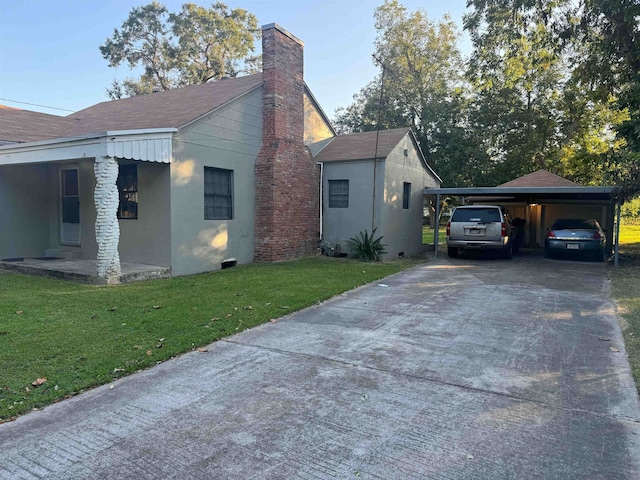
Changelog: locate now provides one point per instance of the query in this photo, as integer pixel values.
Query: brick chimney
(286, 177)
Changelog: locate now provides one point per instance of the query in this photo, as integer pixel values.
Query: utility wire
(36, 105)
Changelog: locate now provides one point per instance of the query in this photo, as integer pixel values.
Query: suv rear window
(482, 215)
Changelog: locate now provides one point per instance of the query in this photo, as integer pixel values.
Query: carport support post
(106, 200)
(615, 255)
(437, 227)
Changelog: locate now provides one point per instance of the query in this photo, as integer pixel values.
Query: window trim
(213, 195)
(338, 199)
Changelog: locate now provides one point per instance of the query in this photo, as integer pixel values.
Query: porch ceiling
(151, 145)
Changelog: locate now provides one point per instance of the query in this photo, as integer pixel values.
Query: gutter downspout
(375, 155)
(321, 164)
(437, 230)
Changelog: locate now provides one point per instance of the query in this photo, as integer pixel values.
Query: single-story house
(191, 179)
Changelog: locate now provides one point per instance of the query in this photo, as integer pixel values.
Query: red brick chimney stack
(286, 177)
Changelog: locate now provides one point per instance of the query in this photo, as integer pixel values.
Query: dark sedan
(575, 236)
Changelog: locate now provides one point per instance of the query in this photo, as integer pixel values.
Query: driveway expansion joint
(620, 418)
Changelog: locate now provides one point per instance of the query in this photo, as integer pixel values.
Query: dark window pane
(128, 191)
(482, 215)
(69, 182)
(218, 194)
(569, 224)
(70, 210)
(406, 195)
(338, 193)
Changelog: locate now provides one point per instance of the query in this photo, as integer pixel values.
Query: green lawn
(625, 288)
(79, 336)
(427, 235)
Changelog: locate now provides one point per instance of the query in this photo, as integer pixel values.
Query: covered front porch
(63, 214)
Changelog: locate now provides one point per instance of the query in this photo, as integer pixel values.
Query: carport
(541, 206)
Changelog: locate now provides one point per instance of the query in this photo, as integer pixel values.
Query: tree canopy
(552, 85)
(421, 85)
(195, 45)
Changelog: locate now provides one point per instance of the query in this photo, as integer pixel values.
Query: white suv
(480, 227)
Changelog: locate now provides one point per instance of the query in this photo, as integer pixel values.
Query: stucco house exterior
(374, 180)
(184, 180)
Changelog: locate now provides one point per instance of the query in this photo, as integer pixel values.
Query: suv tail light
(550, 234)
(448, 229)
(503, 232)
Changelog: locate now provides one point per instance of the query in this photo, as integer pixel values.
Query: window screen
(218, 194)
(338, 193)
(128, 191)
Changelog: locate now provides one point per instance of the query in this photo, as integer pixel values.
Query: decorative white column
(107, 229)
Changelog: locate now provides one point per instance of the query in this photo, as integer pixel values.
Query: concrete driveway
(459, 369)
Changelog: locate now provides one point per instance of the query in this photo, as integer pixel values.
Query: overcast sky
(49, 48)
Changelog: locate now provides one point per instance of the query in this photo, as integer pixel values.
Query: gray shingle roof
(168, 109)
(540, 178)
(26, 126)
(361, 145)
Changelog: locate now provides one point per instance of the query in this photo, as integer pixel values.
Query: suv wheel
(508, 252)
(452, 252)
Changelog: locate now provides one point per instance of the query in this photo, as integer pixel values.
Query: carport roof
(535, 187)
(531, 193)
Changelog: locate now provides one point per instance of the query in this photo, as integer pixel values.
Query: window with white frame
(218, 194)
(338, 193)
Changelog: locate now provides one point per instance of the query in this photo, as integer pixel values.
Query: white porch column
(107, 229)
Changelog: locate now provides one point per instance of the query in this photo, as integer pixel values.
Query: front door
(69, 207)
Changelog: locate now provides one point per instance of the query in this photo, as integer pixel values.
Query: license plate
(573, 246)
(474, 231)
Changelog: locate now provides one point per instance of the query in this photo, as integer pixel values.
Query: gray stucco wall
(402, 228)
(147, 239)
(24, 210)
(229, 139)
(340, 224)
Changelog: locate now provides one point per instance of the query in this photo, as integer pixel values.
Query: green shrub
(365, 248)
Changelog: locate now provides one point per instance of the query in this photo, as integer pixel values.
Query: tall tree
(421, 85)
(571, 69)
(195, 45)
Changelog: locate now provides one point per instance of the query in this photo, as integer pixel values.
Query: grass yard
(427, 235)
(79, 336)
(625, 283)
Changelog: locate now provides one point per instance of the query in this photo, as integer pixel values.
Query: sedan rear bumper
(573, 246)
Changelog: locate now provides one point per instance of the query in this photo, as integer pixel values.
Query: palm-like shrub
(365, 247)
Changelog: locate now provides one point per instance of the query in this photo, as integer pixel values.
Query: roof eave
(523, 190)
(154, 145)
(422, 157)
